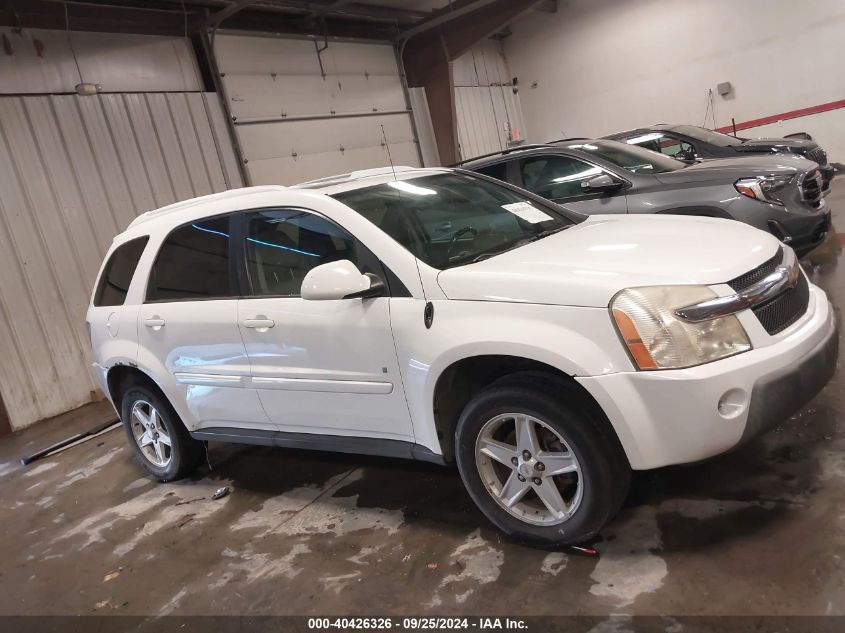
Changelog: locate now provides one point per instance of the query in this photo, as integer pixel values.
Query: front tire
(540, 460)
(157, 436)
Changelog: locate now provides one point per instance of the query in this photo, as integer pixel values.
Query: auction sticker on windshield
(527, 212)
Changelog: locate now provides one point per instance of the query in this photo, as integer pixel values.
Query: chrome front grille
(753, 276)
(818, 155)
(778, 313)
(811, 188)
(785, 309)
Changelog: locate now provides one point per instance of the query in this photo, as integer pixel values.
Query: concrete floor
(759, 531)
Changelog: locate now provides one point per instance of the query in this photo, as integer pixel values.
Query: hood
(797, 145)
(732, 169)
(589, 263)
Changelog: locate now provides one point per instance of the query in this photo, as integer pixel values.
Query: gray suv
(781, 195)
(696, 143)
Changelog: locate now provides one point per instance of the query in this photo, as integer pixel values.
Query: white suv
(441, 315)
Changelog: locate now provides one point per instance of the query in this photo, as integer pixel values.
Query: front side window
(556, 176)
(630, 157)
(282, 245)
(453, 219)
(193, 263)
(118, 272)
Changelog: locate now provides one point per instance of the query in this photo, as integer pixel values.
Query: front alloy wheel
(528, 468)
(540, 459)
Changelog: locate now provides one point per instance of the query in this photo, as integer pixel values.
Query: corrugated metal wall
(488, 111)
(304, 110)
(41, 61)
(74, 171)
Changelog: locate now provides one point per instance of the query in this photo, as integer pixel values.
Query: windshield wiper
(546, 233)
(520, 242)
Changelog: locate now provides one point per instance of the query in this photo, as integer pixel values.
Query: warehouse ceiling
(369, 19)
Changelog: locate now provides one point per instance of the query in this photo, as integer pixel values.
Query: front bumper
(802, 234)
(686, 415)
(782, 393)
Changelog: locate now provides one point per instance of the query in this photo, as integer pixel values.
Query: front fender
(578, 341)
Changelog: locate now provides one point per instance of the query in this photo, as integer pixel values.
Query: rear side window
(117, 275)
(193, 263)
(499, 171)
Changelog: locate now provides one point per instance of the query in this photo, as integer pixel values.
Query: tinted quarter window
(117, 275)
(499, 171)
(193, 263)
(556, 176)
(282, 245)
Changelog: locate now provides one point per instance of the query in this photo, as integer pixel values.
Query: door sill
(317, 442)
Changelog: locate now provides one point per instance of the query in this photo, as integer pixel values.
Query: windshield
(707, 136)
(631, 157)
(455, 218)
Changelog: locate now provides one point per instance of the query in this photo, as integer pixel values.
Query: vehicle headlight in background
(657, 338)
(764, 188)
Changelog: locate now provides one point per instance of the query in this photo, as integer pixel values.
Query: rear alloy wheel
(150, 434)
(541, 460)
(157, 436)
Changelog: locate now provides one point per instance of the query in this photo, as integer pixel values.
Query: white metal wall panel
(489, 114)
(40, 61)
(74, 171)
(294, 124)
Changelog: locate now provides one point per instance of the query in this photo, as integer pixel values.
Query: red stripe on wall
(793, 114)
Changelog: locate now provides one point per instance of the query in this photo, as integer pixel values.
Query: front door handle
(260, 323)
(155, 322)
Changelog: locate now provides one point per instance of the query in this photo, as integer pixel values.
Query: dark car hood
(797, 145)
(731, 169)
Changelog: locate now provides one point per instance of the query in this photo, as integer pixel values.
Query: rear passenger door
(188, 327)
(560, 178)
(320, 367)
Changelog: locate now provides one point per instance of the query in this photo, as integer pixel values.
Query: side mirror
(340, 280)
(600, 183)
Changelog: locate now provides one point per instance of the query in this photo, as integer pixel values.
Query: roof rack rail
(571, 138)
(499, 153)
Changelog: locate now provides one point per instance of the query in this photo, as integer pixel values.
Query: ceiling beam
(428, 49)
(217, 17)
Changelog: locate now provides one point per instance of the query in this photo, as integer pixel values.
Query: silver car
(780, 194)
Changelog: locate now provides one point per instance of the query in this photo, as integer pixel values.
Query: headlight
(657, 338)
(764, 188)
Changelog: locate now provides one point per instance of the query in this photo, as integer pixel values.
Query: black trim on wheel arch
(317, 442)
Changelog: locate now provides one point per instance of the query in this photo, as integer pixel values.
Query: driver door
(318, 366)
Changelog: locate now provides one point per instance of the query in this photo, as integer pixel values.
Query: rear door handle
(260, 323)
(155, 322)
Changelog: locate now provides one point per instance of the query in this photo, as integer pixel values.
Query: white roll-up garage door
(306, 109)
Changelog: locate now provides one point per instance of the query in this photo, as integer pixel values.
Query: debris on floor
(220, 493)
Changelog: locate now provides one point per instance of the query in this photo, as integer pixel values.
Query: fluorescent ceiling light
(653, 136)
(404, 185)
(592, 171)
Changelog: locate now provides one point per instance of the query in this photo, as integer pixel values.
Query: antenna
(387, 145)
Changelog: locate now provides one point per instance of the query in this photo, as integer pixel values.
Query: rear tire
(558, 484)
(157, 436)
